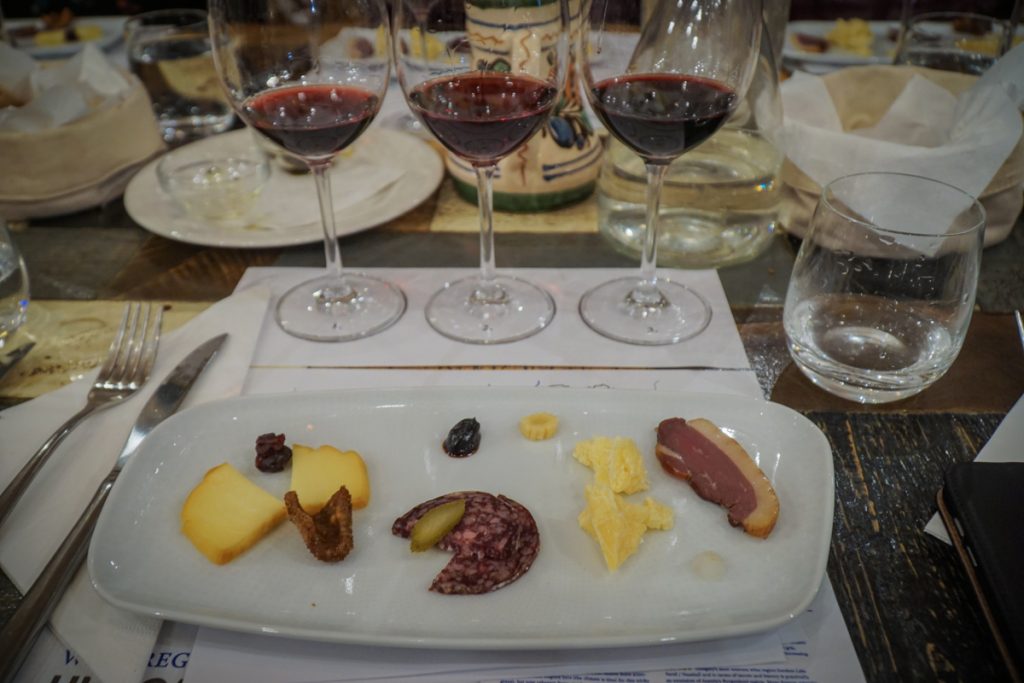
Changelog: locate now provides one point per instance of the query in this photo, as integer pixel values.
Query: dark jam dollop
(463, 439)
(271, 453)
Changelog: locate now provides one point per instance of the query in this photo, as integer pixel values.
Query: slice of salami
(494, 543)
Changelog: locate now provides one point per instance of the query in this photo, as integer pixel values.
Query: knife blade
(11, 358)
(172, 391)
(22, 629)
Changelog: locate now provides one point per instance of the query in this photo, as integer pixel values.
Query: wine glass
(491, 88)
(662, 88)
(406, 121)
(298, 74)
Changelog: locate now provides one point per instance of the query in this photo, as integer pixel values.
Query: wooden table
(906, 601)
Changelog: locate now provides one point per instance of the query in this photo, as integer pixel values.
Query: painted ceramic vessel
(558, 165)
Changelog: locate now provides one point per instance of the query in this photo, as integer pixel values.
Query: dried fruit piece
(271, 453)
(435, 524)
(463, 439)
(538, 426)
(328, 534)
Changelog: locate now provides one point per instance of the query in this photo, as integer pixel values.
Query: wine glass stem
(488, 290)
(332, 253)
(647, 290)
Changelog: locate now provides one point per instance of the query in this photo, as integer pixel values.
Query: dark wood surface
(907, 604)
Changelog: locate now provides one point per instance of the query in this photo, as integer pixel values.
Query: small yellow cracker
(538, 426)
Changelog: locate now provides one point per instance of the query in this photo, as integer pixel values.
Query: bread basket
(862, 95)
(81, 164)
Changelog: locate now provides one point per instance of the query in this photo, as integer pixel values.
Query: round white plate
(883, 49)
(286, 212)
(112, 27)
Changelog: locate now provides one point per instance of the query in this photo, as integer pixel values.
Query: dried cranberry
(271, 453)
(463, 439)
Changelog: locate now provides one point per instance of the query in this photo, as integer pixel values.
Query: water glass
(169, 50)
(953, 41)
(883, 285)
(13, 286)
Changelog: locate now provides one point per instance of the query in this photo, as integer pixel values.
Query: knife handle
(21, 631)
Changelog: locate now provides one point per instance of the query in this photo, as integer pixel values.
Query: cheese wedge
(317, 473)
(226, 514)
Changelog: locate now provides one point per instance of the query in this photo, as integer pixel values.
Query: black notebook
(982, 505)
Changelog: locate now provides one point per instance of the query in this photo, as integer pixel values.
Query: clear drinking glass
(169, 50)
(488, 90)
(13, 286)
(953, 41)
(883, 285)
(661, 89)
(288, 71)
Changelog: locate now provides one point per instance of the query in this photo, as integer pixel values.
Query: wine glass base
(328, 309)
(611, 309)
(505, 310)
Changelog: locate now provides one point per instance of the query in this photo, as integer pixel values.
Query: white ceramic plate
(286, 211)
(883, 49)
(378, 595)
(112, 27)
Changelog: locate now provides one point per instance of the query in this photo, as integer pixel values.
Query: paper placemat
(567, 342)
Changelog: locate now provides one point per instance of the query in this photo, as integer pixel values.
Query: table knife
(11, 358)
(20, 632)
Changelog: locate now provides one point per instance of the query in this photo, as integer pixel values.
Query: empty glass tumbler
(13, 286)
(882, 289)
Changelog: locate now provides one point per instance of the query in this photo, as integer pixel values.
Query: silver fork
(127, 367)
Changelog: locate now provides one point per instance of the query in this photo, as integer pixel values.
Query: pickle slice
(433, 525)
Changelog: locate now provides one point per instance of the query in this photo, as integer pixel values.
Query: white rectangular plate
(139, 560)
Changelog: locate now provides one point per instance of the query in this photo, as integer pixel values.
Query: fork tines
(133, 350)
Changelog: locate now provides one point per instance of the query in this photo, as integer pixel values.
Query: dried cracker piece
(538, 426)
(328, 533)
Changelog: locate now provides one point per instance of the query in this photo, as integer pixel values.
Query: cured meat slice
(719, 470)
(494, 543)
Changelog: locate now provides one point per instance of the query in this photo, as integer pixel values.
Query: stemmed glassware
(662, 88)
(492, 87)
(292, 74)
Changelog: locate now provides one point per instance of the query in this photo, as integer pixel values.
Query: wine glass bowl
(488, 91)
(663, 87)
(290, 75)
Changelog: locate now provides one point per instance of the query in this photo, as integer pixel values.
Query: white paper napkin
(114, 643)
(60, 94)
(1004, 446)
(962, 141)
(567, 342)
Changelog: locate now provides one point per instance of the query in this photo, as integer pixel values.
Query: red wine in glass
(662, 87)
(283, 74)
(661, 116)
(483, 117)
(312, 121)
(483, 96)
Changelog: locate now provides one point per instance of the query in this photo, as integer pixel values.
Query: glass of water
(953, 41)
(13, 286)
(883, 285)
(169, 50)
